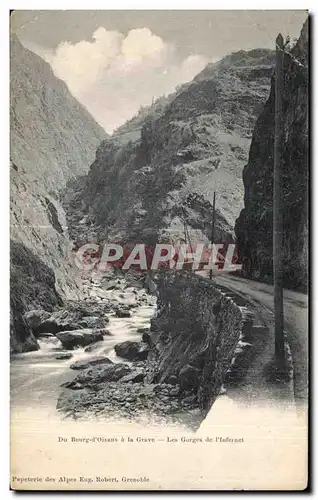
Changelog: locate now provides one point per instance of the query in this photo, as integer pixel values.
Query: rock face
(53, 139)
(32, 285)
(255, 223)
(133, 377)
(194, 336)
(161, 168)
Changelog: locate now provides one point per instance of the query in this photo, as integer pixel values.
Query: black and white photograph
(159, 249)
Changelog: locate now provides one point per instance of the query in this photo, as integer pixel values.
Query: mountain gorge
(144, 348)
(53, 139)
(156, 173)
(160, 169)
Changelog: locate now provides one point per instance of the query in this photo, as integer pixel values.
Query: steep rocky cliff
(255, 223)
(194, 336)
(161, 168)
(53, 139)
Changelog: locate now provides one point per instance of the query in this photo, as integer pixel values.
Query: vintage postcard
(159, 249)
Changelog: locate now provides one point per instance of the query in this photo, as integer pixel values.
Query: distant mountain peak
(184, 145)
(239, 59)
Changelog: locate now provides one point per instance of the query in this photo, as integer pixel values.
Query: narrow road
(296, 322)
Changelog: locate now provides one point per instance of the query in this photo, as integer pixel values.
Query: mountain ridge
(184, 145)
(41, 128)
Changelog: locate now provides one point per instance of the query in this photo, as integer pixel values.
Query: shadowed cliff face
(255, 223)
(161, 168)
(53, 139)
(32, 286)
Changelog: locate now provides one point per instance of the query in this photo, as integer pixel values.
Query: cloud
(114, 75)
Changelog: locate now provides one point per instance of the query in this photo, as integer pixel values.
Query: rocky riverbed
(93, 359)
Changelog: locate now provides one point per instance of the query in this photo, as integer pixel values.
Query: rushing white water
(36, 377)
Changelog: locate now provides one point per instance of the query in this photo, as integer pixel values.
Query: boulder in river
(62, 320)
(82, 338)
(133, 351)
(83, 365)
(64, 355)
(102, 373)
(95, 346)
(35, 318)
(91, 308)
(122, 312)
(66, 319)
(93, 321)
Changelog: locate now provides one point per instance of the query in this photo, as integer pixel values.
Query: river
(36, 377)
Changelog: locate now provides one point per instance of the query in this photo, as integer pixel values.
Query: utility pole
(185, 231)
(213, 226)
(278, 262)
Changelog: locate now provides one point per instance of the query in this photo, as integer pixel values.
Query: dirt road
(296, 321)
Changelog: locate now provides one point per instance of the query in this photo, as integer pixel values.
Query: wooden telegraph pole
(213, 227)
(278, 262)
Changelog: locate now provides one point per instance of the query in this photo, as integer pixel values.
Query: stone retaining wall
(194, 335)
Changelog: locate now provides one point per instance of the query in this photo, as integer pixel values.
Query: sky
(114, 62)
